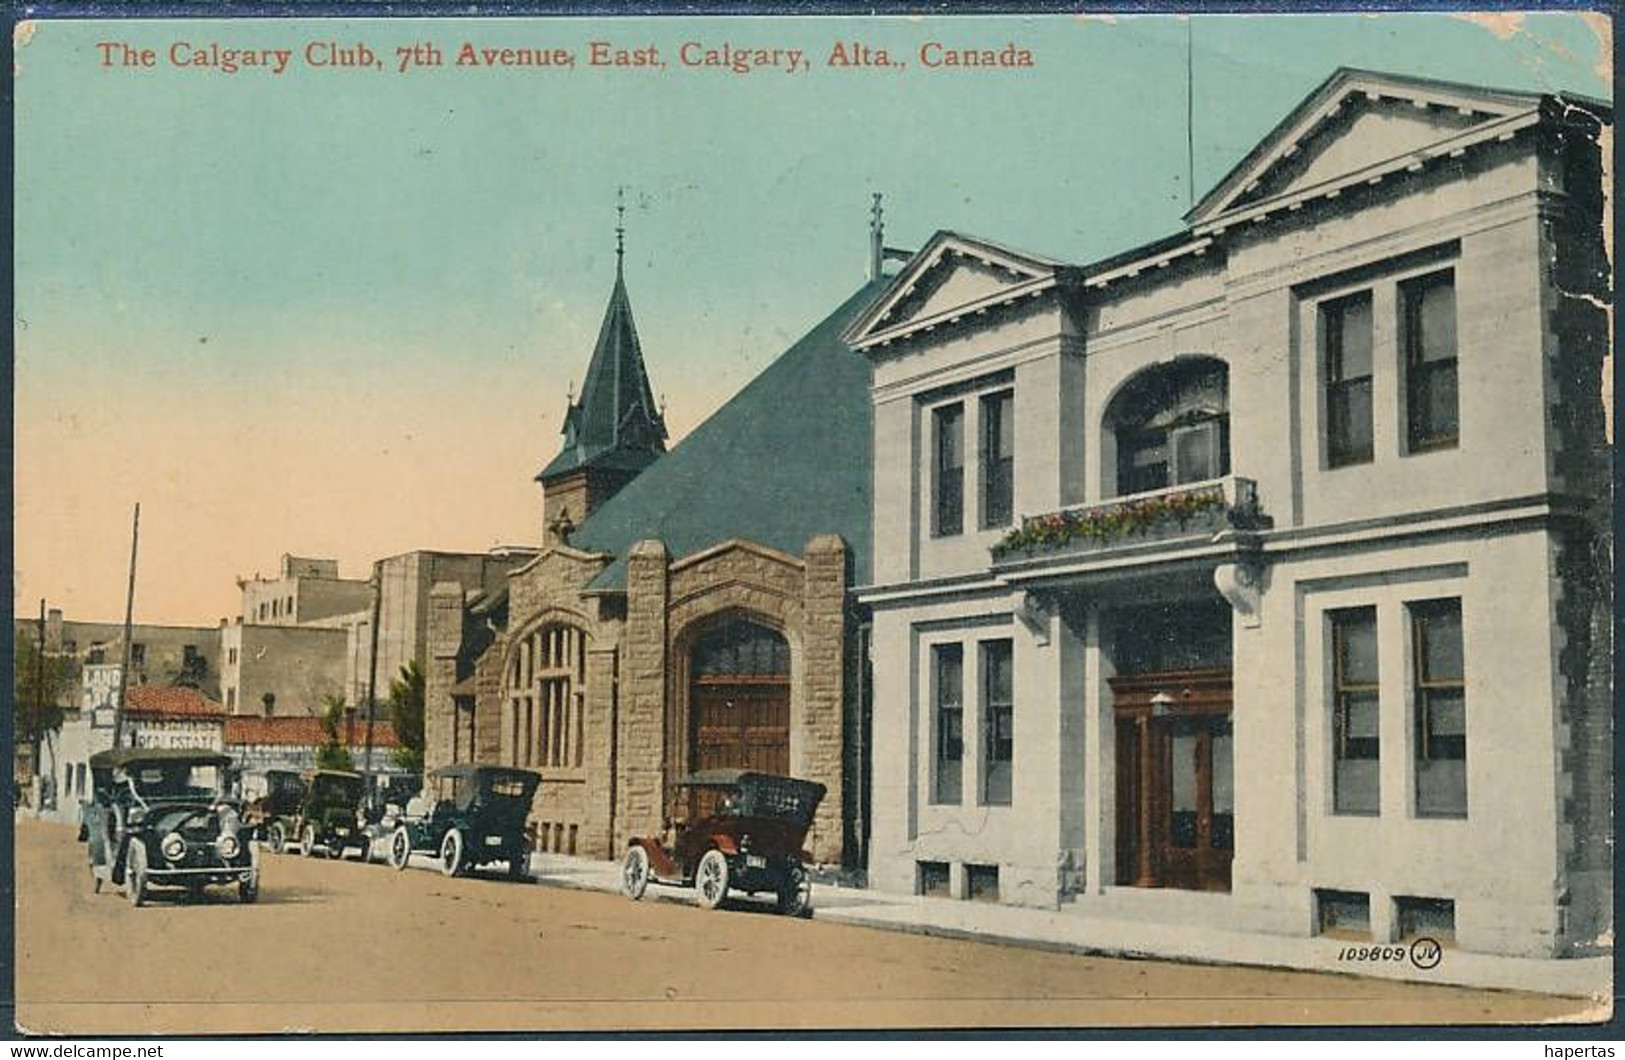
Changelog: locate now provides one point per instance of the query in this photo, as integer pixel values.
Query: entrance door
(1175, 781)
(739, 699)
(744, 726)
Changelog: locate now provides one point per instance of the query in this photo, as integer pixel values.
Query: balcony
(1196, 510)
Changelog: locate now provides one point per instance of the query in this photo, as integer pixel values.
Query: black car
(330, 817)
(271, 812)
(478, 817)
(158, 818)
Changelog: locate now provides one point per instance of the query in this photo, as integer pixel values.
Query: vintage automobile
(383, 806)
(329, 818)
(478, 816)
(272, 803)
(157, 818)
(735, 830)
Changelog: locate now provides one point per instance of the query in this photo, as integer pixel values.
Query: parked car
(158, 818)
(735, 830)
(477, 817)
(329, 818)
(273, 801)
(383, 807)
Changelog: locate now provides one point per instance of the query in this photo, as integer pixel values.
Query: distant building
(258, 744)
(159, 655)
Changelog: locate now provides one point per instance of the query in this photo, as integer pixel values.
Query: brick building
(1261, 575)
(688, 609)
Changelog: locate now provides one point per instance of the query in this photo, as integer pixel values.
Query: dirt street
(340, 946)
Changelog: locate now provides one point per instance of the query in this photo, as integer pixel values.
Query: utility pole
(372, 670)
(129, 611)
(39, 708)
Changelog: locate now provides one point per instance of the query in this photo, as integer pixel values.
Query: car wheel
(248, 891)
(451, 853)
(400, 848)
(276, 837)
(307, 841)
(519, 863)
(635, 873)
(135, 874)
(795, 891)
(711, 879)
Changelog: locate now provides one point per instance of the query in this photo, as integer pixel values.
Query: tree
(38, 681)
(333, 754)
(406, 698)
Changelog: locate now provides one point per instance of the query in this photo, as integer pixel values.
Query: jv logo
(1426, 953)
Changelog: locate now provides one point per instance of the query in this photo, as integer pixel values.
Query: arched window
(1171, 424)
(547, 698)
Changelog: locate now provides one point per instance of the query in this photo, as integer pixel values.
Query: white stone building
(1259, 577)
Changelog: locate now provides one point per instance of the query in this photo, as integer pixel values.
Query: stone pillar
(445, 637)
(641, 728)
(597, 839)
(1100, 762)
(815, 736)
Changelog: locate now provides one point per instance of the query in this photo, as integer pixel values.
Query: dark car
(478, 817)
(330, 816)
(270, 814)
(735, 830)
(158, 818)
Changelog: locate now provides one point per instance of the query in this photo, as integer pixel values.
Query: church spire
(615, 424)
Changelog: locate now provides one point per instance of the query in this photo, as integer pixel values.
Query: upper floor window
(1172, 426)
(998, 459)
(138, 654)
(1428, 335)
(1356, 739)
(1441, 708)
(1345, 335)
(948, 476)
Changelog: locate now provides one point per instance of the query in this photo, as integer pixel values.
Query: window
(262, 612)
(1345, 335)
(1343, 914)
(287, 609)
(138, 654)
(933, 878)
(1433, 918)
(546, 698)
(948, 478)
(1441, 709)
(948, 696)
(1355, 713)
(1428, 333)
(998, 459)
(231, 700)
(1171, 425)
(998, 723)
(982, 883)
(98, 654)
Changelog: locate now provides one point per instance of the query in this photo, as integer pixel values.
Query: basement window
(933, 879)
(1433, 918)
(982, 883)
(1343, 914)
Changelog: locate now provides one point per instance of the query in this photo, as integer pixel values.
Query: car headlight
(173, 846)
(135, 816)
(227, 845)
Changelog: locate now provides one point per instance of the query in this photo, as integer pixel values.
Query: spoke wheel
(711, 879)
(451, 853)
(276, 837)
(307, 841)
(248, 891)
(400, 848)
(795, 892)
(135, 874)
(519, 863)
(635, 873)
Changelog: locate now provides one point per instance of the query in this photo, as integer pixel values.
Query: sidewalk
(1071, 932)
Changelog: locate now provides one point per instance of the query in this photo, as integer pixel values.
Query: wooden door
(740, 724)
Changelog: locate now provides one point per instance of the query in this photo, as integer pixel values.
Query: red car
(736, 831)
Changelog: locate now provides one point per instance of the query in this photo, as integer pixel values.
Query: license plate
(755, 861)
(493, 840)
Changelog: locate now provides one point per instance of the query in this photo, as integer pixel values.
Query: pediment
(952, 275)
(1358, 124)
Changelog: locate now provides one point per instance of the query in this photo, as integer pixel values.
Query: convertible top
(469, 769)
(121, 757)
(762, 794)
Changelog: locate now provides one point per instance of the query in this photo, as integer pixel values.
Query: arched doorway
(739, 698)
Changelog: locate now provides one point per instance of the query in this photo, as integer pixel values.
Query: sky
(337, 311)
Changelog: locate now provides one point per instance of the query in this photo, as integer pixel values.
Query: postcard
(666, 524)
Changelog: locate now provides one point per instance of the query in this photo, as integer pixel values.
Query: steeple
(614, 429)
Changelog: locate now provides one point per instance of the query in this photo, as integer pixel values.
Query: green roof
(786, 459)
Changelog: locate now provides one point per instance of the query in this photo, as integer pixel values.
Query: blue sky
(337, 311)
